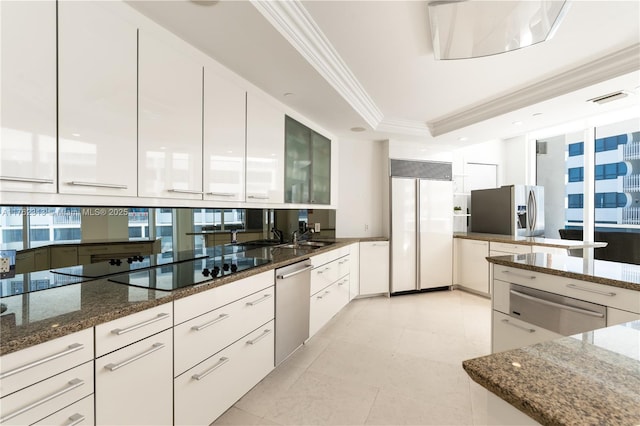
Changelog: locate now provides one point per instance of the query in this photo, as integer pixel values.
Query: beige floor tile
(318, 399)
(236, 416)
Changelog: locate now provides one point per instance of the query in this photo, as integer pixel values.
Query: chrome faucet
(278, 234)
(294, 237)
(234, 236)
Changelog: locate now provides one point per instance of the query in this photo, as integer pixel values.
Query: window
(66, 234)
(576, 149)
(39, 234)
(11, 235)
(576, 174)
(575, 201)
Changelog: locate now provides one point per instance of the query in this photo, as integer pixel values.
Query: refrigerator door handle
(417, 235)
(532, 210)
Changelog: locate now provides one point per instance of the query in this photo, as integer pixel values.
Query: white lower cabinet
(77, 414)
(326, 303)
(617, 316)
(511, 333)
(134, 384)
(473, 268)
(354, 270)
(374, 267)
(34, 403)
(207, 390)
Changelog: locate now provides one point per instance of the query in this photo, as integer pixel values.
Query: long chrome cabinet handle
(558, 305)
(323, 294)
(186, 191)
(99, 184)
(291, 274)
(342, 282)
(27, 180)
(262, 299)
(76, 419)
(207, 324)
(530, 330)
(324, 270)
(258, 197)
(70, 349)
(222, 361)
(120, 331)
(71, 385)
(222, 194)
(604, 293)
(260, 337)
(529, 277)
(343, 261)
(155, 347)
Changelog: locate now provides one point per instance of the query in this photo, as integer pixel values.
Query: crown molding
(406, 127)
(293, 21)
(618, 63)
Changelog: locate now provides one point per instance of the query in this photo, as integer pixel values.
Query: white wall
(519, 164)
(551, 175)
(360, 193)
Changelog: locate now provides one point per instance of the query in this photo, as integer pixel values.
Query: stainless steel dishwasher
(292, 308)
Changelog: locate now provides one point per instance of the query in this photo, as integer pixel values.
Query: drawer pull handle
(207, 324)
(76, 419)
(342, 282)
(186, 191)
(70, 349)
(323, 295)
(222, 194)
(262, 299)
(260, 337)
(71, 385)
(324, 270)
(530, 330)
(529, 277)
(258, 197)
(154, 347)
(222, 361)
(604, 293)
(26, 179)
(343, 261)
(120, 331)
(99, 184)
(294, 273)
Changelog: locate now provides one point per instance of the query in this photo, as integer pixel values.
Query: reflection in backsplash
(32, 231)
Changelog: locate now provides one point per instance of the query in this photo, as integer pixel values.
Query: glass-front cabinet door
(321, 169)
(308, 165)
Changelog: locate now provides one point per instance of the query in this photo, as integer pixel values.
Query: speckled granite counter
(529, 241)
(615, 274)
(588, 379)
(37, 317)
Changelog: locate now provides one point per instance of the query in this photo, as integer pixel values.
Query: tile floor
(380, 361)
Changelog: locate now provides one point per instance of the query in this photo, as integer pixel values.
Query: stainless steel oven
(561, 314)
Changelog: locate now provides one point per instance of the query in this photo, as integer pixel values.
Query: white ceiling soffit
(294, 22)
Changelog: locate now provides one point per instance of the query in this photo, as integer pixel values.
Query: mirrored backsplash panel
(39, 237)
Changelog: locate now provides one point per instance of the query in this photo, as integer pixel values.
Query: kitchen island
(588, 378)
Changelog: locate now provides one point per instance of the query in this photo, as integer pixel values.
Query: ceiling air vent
(608, 98)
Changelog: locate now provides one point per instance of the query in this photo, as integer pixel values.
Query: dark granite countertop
(615, 274)
(588, 379)
(37, 317)
(528, 241)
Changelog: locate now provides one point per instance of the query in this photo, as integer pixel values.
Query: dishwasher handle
(291, 274)
(558, 305)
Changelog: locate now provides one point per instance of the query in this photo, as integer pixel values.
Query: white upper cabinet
(97, 99)
(265, 151)
(170, 117)
(224, 139)
(28, 96)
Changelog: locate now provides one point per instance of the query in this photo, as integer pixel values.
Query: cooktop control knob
(205, 272)
(234, 267)
(225, 267)
(215, 271)
(129, 260)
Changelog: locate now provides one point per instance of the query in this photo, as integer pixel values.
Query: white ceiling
(383, 50)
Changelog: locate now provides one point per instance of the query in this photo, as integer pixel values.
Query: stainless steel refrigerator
(510, 210)
(421, 225)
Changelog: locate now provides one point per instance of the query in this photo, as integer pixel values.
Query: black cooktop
(188, 273)
(35, 281)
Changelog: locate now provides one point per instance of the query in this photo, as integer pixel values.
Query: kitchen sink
(258, 243)
(306, 245)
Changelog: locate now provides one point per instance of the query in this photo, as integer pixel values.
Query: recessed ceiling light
(536, 114)
(517, 123)
(462, 139)
(358, 129)
(286, 95)
(75, 134)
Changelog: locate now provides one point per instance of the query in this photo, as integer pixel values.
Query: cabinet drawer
(201, 303)
(201, 337)
(124, 331)
(329, 256)
(57, 392)
(616, 316)
(344, 266)
(326, 303)
(510, 248)
(207, 390)
(77, 414)
(23, 368)
(510, 333)
(63, 256)
(616, 297)
(133, 384)
(323, 276)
